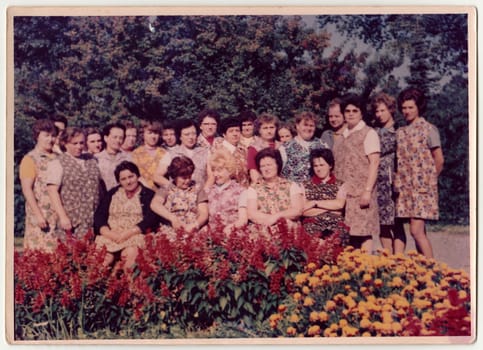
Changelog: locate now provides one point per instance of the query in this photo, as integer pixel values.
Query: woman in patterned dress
(183, 202)
(73, 183)
(274, 197)
(324, 198)
(124, 216)
(392, 235)
(419, 162)
(226, 203)
(40, 217)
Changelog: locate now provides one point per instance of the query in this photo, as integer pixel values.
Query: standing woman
(356, 162)
(419, 162)
(93, 140)
(73, 183)
(392, 235)
(40, 217)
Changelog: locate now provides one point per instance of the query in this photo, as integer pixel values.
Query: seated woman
(124, 215)
(224, 196)
(324, 198)
(274, 197)
(183, 202)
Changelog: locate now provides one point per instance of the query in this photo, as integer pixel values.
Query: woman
(356, 162)
(124, 216)
(73, 184)
(392, 235)
(151, 159)
(226, 205)
(285, 133)
(93, 140)
(274, 197)
(419, 162)
(40, 217)
(325, 198)
(266, 127)
(183, 202)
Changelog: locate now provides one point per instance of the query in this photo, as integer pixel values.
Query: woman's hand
(191, 227)
(176, 223)
(365, 200)
(65, 222)
(41, 222)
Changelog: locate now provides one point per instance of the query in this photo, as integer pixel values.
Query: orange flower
(282, 308)
(305, 290)
(330, 305)
(308, 301)
(297, 296)
(313, 330)
(323, 316)
(294, 318)
(314, 316)
(291, 331)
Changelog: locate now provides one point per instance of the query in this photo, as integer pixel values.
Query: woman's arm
(201, 218)
(257, 216)
(159, 176)
(54, 196)
(371, 179)
(296, 207)
(438, 157)
(28, 192)
(317, 207)
(157, 205)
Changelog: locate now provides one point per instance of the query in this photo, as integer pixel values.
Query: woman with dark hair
(40, 217)
(273, 197)
(124, 216)
(183, 202)
(93, 140)
(419, 162)
(325, 198)
(392, 235)
(356, 162)
(73, 183)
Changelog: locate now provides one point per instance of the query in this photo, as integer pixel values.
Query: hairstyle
(107, 129)
(91, 130)
(247, 115)
(68, 134)
(151, 125)
(126, 165)
(266, 118)
(229, 123)
(289, 126)
(59, 119)
(169, 124)
(208, 113)
(355, 100)
(324, 153)
(180, 166)
(306, 116)
(184, 124)
(334, 102)
(45, 125)
(223, 158)
(128, 124)
(415, 94)
(269, 153)
(386, 99)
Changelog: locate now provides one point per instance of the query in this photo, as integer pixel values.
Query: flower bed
(265, 286)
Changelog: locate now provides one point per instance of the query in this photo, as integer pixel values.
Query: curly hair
(180, 166)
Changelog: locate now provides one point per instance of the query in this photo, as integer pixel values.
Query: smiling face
(268, 168)
(182, 182)
(321, 168)
(410, 111)
(130, 139)
(151, 138)
(94, 143)
(128, 181)
(46, 141)
(114, 140)
(305, 129)
(76, 145)
(208, 126)
(232, 135)
(336, 118)
(352, 115)
(221, 175)
(383, 115)
(188, 137)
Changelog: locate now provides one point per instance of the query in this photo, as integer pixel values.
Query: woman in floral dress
(40, 216)
(419, 162)
(183, 202)
(392, 235)
(324, 198)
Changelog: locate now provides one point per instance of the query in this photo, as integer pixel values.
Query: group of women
(245, 176)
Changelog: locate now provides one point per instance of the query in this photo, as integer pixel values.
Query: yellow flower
(297, 296)
(396, 328)
(366, 278)
(335, 270)
(308, 301)
(305, 290)
(365, 323)
(462, 295)
(301, 278)
(343, 323)
(311, 267)
(421, 304)
(378, 283)
(349, 331)
(427, 317)
(314, 281)
(319, 272)
(397, 282)
(323, 316)
(282, 308)
(366, 334)
(313, 330)
(314, 316)
(330, 305)
(294, 318)
(291, 331)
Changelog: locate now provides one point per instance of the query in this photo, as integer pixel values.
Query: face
(268, 168)
(114, 140)
(182, 182)
(336, 118)
(247, 128)
(45, 141)
(76, 145)
(232, 135)
(305, 129)
(188, 137)
(130, 139)
(151, 138)
(410, 110)
(169, 137)
(221, 174)
(94, 143)
(284, 135)
(353, 115)
(128, 180)
(267, 131)
(321, 168)
(382, 114)
(208, 127)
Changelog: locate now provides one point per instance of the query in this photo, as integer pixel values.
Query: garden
(208, 284)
